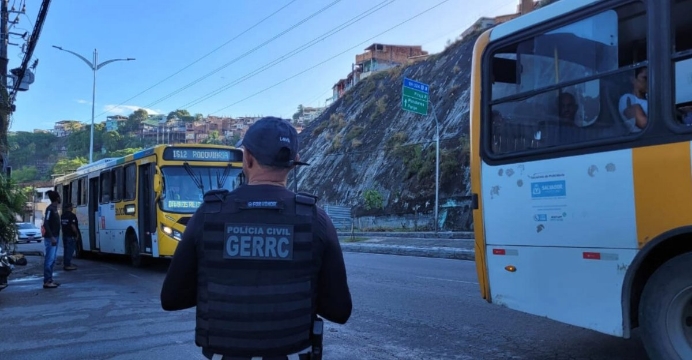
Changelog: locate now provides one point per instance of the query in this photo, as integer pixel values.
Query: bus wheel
(665, 311)
(135, 257)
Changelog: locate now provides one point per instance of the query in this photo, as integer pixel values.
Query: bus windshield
(181, 193)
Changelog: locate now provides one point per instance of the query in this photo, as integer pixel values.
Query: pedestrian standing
(51, 224)
(70, 234)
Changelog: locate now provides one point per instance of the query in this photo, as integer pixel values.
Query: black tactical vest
(257, 276)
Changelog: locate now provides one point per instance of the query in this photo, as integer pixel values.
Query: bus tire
(665, 311)
(135, 254)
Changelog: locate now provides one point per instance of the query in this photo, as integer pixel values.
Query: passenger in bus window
(685, 115)
(634, 106)
(569, 132)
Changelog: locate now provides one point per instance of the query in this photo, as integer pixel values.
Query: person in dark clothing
(51, 224)
(70, 234)
(260, 263)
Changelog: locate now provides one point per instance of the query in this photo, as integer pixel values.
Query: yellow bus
(582, 192)
(138, 205)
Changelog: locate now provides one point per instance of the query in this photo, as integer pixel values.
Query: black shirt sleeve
(179, 290)
(52, 222)
(333, 295)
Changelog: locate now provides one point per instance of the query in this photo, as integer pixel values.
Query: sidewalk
(411, 244)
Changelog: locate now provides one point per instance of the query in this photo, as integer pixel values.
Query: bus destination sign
(201, 154)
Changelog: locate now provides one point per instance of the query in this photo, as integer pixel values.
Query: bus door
(147, 206)
(94, 213)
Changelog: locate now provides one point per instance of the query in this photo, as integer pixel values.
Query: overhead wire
(331, 58)
(205, 55)
(290, 54)
(292, 27)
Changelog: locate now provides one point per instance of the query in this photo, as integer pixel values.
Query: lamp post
(95, 66)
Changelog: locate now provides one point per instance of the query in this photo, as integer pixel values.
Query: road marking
(452, 280)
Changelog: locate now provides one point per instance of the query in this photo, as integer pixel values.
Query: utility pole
(5, 106)
(95, 66)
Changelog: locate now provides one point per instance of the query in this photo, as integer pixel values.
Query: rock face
(369, 154)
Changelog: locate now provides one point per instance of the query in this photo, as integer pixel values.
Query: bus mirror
(158, 184)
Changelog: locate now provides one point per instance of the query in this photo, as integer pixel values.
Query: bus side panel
(568, 225)
(82, 213)
(579, 201)
(109, 240)
(561, 284)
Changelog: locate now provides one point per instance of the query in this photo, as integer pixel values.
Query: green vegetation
(12, 202)
(380, 107)
(35, 156)
(373, 199)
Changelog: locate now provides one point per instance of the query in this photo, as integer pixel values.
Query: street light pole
(94, 66)
(437, 168)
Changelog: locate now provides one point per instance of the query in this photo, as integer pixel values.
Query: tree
(373, 199)
(112, 141)
(213, 138)
(299, 113)
(12, 203)
(135, 120)
(25, 174)
(180, 114)
(65, 166)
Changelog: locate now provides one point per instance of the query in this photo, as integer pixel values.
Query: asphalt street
(404, 308)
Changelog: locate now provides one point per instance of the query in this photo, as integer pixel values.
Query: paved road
(404, 308)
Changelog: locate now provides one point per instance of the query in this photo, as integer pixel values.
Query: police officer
(260, 263)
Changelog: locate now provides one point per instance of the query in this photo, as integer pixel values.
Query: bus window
(82, 192)
(105, 187)
(117, 184)
(682, 55)
(74, 192)
(565, 86)
(130, 181)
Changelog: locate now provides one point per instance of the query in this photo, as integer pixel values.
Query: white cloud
(126, 109)
(82, 101)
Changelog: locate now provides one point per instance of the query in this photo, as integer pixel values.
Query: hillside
(367, 153)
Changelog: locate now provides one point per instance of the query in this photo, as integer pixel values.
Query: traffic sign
(414, 96)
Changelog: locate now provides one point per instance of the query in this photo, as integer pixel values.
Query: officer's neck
(267, 182)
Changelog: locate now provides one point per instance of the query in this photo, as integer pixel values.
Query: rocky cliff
(367, 153)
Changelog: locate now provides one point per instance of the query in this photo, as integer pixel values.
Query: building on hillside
(377, 57)
(115, 122)
(485, 23)
(65, 127)
(310, 114)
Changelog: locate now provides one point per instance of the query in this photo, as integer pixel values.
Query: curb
(418, 235)
(431, 252)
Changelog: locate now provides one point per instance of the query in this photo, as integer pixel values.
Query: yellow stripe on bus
(662, 189)
(475, 143)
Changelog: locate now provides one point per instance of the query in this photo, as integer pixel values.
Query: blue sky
(164, 40)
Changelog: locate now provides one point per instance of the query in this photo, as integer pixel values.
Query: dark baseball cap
(273, 142)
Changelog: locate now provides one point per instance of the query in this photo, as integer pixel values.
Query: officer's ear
(248, 159)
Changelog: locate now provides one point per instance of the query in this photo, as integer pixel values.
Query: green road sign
(414, 97)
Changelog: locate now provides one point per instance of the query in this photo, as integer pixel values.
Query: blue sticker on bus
(548, 189)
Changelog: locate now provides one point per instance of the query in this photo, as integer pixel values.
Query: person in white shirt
(634, 106)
